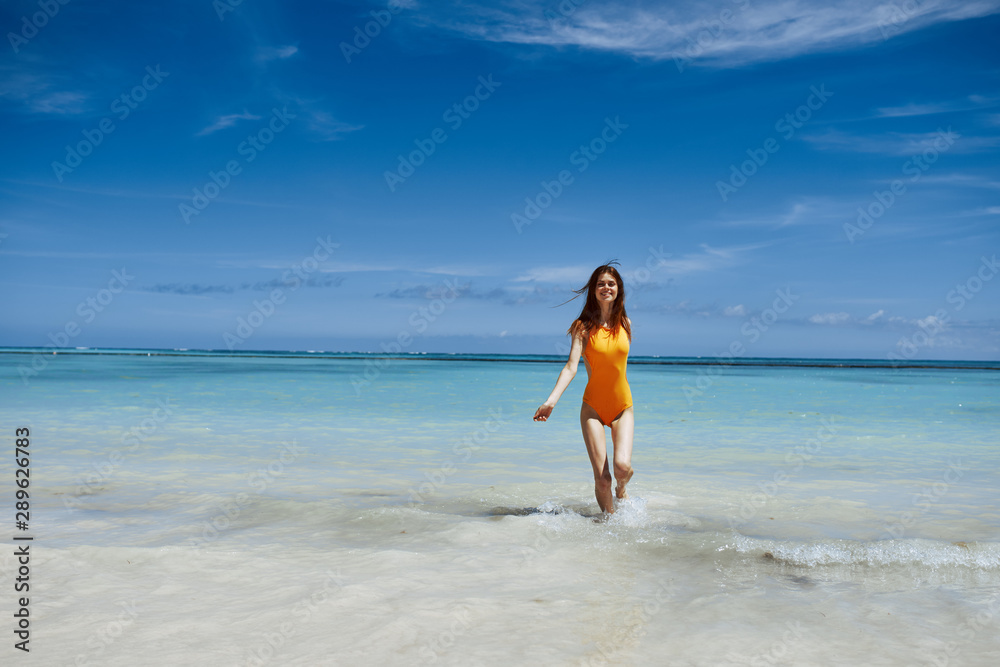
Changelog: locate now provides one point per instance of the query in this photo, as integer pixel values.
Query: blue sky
(442, 183)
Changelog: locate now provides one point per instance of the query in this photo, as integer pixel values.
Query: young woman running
(602, 335)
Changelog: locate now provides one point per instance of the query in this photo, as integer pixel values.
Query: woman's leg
(593, 437)
(621, 435)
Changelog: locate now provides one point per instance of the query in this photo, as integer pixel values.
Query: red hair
(590, 316)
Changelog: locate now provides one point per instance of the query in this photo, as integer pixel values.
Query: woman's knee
(622, 468)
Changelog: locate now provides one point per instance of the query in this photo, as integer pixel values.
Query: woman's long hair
(590, 316)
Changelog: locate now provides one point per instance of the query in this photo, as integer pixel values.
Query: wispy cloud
(708, 259)
(901, 143)
(322, 280)
(199, 289)
(507, 295)
(970, 103)
(735, 311)
(979, 212)
(35, 94)
(557, 274)
(877, 315)
(223, 122)
(268, 53)
(830, 318)
(657, 29)
(802, 211)
(878, 319)
(189, 289)
(311, 113)
(965, 180)
(60, 102)
(328, 127)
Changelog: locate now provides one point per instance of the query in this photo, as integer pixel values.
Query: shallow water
(246, 511)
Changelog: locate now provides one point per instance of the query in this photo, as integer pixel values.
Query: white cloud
(970, 103)
(36, 94)
(328, 127)
(557, 274)
(64, 102)
(277, 53)
(709, 259)
(874, 316)
(735, 311)
(901, 143)
(725, 33)
(967, 180)
(805, 210)
(223, 122)
(931, 323)
(830, 318)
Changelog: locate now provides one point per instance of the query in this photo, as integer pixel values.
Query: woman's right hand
(543, 412)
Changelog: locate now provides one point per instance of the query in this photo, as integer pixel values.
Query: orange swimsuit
(607, 387)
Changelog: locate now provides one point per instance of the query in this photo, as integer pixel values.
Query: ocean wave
(902, 552)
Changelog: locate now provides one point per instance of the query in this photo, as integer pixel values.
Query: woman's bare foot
(620, 492)
(602, 489)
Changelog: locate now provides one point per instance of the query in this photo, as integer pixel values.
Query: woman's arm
(566, 376)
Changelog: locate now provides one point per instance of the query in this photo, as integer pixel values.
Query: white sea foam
(914, 552)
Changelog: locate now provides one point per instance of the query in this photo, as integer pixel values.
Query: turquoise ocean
(201, 508)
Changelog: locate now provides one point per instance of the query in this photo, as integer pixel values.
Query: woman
(601, 334)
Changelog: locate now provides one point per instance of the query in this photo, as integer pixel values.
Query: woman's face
(606, 289)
